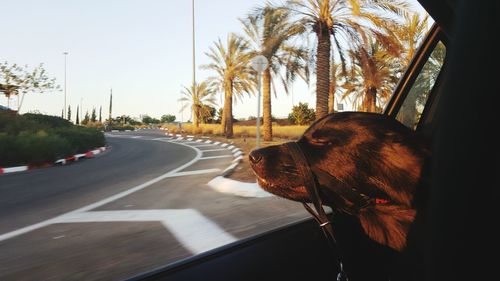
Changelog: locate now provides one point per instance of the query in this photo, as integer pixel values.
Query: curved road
(37, 195)
(141, 204)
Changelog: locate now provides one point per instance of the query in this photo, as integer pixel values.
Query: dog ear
(388, 224)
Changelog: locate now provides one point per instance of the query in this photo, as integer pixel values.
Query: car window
(126, 126)
(411, 110)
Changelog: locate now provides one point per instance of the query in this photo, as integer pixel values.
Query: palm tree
(350, 20)
(410, 34)
(199, 97)
(270, 31)
(233, 76)
(372, 76)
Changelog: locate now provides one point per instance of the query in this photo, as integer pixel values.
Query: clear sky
(140, 48)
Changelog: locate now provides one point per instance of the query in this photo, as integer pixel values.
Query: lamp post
(64, 109)
(259, 64)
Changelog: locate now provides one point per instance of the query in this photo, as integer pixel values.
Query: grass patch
(280, 132)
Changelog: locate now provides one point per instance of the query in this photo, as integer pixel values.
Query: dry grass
(280, 132)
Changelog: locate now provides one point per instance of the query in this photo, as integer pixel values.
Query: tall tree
(199, 97)
(77, 122)
(93, 116)
(86, 119)
(351, 20)
(372, 76)
(100, 114)
(233, 75)
(110, 105)
(271, 31)
(69, 113)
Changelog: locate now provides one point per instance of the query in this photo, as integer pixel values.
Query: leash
(319, 214)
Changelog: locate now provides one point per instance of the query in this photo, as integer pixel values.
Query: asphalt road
(36, 195)
(143, 203)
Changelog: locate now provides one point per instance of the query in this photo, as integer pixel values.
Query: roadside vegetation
(38, 139)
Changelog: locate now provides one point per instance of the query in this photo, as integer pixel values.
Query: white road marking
(232, 166)
(215, 157)
(195, 172)
(224, 145)
(208, 141)
(172, 173)
(244, 189)
(15, 169)
(136, 137)
(217, 149)
(197, 233)
(202, 145)
(237, 158)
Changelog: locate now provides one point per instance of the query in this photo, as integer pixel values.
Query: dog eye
(320, 141)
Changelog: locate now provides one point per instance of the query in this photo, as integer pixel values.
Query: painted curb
(236, 151)
(63, 161)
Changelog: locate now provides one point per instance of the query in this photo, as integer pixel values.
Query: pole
(194, 50)
(65, 55)
(257, 145)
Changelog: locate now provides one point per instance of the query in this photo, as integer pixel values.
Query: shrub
(301, 114)
(36, 138)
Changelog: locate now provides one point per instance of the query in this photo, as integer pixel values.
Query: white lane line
(195, 172)
(208, 141)
(217, 149)
(172, 173)
(136, 137)
(202, 145)
(215, 157)
(230, 147)
(157, 139)
(224, 145)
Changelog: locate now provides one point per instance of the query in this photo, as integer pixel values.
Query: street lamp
(259, 64)
(64, 109)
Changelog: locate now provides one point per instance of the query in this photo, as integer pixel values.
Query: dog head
(371, 153)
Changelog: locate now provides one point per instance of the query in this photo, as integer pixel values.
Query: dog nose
(255, 157)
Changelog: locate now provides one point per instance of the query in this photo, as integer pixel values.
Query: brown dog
(372, 154)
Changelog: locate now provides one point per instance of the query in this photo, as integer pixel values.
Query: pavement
(143, 203)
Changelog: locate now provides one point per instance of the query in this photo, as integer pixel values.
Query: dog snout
(255, 156)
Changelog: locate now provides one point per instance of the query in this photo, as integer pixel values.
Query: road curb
(59, 162)
(236, 151)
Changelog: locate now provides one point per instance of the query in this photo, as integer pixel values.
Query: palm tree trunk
(223, 120)
(370, 100)
(195, 118)
(228, 110)
(331, 96)
(322, 72)
(266, 103)
(196, 122)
